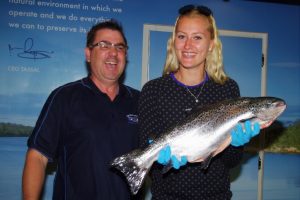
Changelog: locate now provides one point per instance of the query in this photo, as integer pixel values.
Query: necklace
(196, 97)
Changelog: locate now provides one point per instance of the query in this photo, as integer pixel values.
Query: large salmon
(200, 134)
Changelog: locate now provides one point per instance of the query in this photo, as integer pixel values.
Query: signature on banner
(28, 52)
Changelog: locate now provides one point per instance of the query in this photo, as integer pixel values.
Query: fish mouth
(265, 119)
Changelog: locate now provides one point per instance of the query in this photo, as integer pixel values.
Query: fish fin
(206, 162)
(134, 174)
(167, 167)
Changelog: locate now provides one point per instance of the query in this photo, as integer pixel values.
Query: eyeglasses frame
(106, 45)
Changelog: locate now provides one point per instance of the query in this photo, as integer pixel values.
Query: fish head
(265, 110)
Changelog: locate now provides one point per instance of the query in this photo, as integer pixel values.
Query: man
(85, 124)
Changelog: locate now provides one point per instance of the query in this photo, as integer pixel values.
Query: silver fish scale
(202, 135)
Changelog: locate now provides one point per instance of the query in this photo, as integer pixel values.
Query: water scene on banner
(282, 174)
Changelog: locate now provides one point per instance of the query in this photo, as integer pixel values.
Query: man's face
(108, 59)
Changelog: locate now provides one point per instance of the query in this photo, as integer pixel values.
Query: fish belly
(194, 144)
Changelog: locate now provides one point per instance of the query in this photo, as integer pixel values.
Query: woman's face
(192, 41)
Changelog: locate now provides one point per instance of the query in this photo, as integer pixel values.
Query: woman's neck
(190, 77)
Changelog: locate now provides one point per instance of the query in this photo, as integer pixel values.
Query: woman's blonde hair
(214, 59)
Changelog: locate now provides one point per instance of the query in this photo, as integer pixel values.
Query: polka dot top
(165, 101)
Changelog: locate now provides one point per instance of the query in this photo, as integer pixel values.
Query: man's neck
(111, 89)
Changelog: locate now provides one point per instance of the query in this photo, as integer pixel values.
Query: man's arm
(33, 174)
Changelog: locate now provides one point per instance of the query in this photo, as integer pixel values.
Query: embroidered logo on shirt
(132, 119)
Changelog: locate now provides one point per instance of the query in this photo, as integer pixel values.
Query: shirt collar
(88, 82)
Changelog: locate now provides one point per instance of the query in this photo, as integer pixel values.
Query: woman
(193, 75)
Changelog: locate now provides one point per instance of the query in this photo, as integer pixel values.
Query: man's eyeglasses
(105, 45)
(201, 9)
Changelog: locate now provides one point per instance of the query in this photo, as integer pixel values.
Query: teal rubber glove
(165, 156)
(239, 137)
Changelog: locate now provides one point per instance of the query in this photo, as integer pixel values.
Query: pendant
(196, 100)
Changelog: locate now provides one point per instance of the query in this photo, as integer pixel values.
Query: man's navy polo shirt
(81, 128)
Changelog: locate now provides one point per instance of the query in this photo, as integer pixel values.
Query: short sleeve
(46, 134)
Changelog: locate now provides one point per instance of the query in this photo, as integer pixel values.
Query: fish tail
(134, 174)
